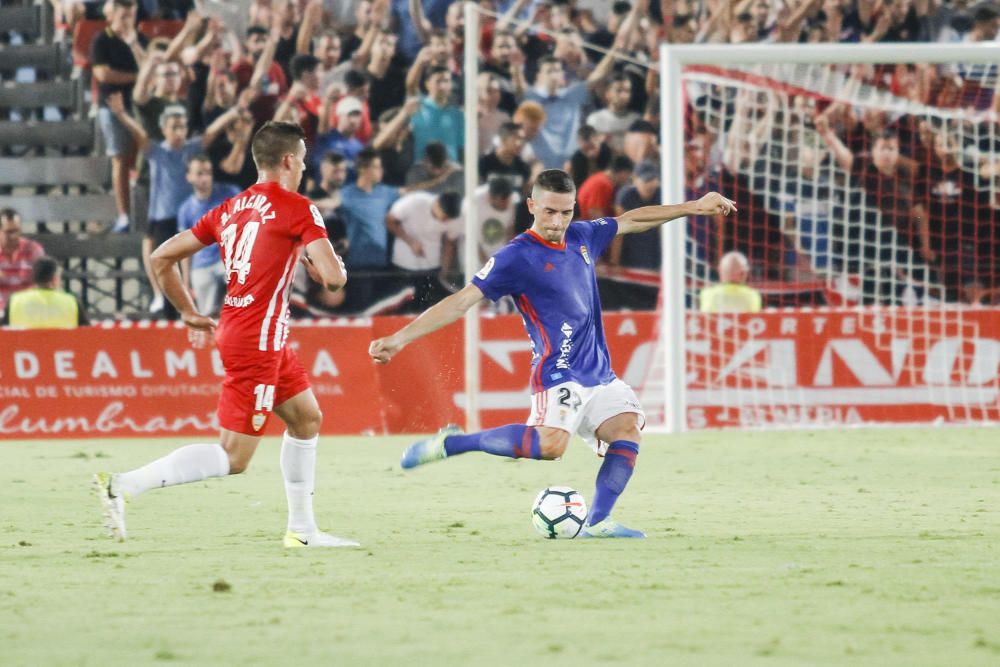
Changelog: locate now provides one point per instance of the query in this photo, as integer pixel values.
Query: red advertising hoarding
(786, 368)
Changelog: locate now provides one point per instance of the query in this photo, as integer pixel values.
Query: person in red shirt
(17, 256)
(258, 71)
(597, 194)
(302, 104)
(261, 233)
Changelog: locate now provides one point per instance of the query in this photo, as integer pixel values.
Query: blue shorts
(117, 140)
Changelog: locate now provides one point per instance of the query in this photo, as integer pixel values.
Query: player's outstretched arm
(644, 218)
(324, 265)
(164, 261)
(441, 314)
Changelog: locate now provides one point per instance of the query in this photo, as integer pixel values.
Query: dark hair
(451, 204)
(619, 76)
(440, 33)
(546, 60)
(621, 7)
(643, 126)
(9, 214)
(508, 129)
(621, 163)
(554, 180)
(334, 158)
(256, 30)
(436, 69)
(889, 134)
(365, 158)
(355, 78)
(436, 153)
(275, 140)
(198, 157)
(586, 132)
(302, 63)
(44, 270)
(500, 187)
(681, 20)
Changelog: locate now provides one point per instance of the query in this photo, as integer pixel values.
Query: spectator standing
(343, 138)
(258, 72)
(638, 251)
(505, 160)
(597, 194)
(494, 203)
(615, 119)
(437, 119)
(491, 117)
(364, 205)
(115, 55)
(387, 75)
(436, 173)
(732, 294)
(425, 227)
(302, 104)
(593, 155)
(204, 271)
(168, 186)
(45, 305)
(17, 255)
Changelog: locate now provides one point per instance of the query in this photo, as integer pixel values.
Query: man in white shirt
(426, 227)
(615, 119)
(494, 204)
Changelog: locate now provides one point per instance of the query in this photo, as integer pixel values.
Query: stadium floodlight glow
(754, 89)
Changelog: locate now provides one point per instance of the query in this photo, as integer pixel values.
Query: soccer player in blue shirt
(549, 272)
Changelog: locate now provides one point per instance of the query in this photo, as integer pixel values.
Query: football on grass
(559, 511)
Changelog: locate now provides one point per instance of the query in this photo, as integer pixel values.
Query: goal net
(869, 209)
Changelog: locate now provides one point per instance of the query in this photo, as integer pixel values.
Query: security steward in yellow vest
(46, 305)
(732, 295)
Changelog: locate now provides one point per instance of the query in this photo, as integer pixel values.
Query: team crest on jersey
(485, 271)
(257, 421)
(586, 255)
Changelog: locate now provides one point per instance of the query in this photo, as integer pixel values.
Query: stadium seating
(84, 33)
(62, 94)
(160, 28)
(89, 171)
(47, 59)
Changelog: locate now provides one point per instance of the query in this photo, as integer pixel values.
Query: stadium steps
(62, 94)
(67, 134)
(91, 171)
(32, 21)
(49, 60)
(67, 208)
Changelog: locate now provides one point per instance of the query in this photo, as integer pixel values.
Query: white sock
(187, 464)
(298, 467)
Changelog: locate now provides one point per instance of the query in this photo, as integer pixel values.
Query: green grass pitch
(876, 547)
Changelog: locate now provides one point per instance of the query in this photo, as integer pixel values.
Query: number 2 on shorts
(264, 394)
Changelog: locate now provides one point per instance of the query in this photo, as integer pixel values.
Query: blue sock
(619, 461)
(514, 440)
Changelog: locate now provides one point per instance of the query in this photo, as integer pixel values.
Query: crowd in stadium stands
(377, 86)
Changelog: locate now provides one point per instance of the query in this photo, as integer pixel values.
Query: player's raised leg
(516, 441)
(190, 463)
(303, 418)
(622, 432)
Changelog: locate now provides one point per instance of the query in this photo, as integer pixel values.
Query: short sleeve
(205, 229)
(401, 208)
(99, 51)
(308, 224)
(498, 277)
(597, 234)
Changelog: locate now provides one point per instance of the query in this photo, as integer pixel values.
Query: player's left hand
(714, 204)
(198, 322)
(384, 349)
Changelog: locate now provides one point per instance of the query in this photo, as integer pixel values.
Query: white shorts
(574, 408)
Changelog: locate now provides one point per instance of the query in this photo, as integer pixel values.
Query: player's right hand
(384, 349)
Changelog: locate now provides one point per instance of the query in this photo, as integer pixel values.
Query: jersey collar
(548, 244)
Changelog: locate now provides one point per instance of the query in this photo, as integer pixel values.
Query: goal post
(876, 323)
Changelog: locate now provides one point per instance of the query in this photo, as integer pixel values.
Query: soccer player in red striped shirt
(261, 233)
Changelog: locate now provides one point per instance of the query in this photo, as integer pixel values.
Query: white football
(559, 511)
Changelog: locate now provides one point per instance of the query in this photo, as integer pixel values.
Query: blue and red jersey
(555, 289)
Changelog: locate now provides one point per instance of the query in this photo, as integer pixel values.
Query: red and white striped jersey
(260, 233)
